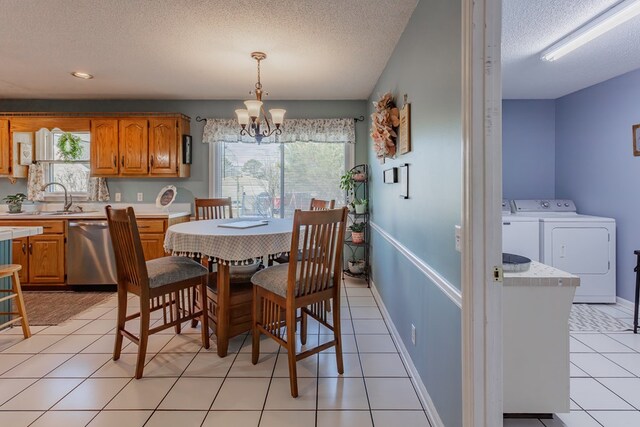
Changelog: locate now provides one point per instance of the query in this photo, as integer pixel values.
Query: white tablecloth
(220, 244)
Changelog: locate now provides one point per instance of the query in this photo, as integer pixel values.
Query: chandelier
(251, 121)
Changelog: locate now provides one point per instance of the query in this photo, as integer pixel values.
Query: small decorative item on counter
(359, 205)
(357, 232)
(383, 121)
(15, 202)
(356, 266)
(69, 147)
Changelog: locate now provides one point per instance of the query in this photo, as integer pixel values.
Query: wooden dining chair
(310, 285)
(218, 208)
(166, 284)
(314, 205)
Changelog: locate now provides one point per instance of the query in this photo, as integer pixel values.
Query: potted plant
(347, 181)
(357, 232)
(15, 202)
(356, 266)
(360, 205)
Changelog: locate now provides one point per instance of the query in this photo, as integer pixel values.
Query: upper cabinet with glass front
(122, 145)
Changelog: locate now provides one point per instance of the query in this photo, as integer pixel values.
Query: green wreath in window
(69, 147)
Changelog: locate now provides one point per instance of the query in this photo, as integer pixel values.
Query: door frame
(481, 225)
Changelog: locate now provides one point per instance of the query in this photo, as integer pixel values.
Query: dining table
(225, 246)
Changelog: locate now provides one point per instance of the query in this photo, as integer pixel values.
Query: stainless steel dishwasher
(90, 258)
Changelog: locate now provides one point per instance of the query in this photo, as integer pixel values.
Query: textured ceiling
(530, 26)
(196, 49)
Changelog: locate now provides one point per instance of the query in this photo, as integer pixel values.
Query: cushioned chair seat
(274, 279)
(167, 270)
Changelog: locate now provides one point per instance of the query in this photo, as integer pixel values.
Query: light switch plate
(458, 235)
(140, 197)
(118, 197)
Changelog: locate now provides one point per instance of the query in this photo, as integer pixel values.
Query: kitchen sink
(62, 212)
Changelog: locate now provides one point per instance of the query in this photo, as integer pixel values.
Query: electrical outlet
(140, 197)
(118, 197)
(413, 334)
(458, 235)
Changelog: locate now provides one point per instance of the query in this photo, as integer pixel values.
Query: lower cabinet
(20, 253)
(152, 245)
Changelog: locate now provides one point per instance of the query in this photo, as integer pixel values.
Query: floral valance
(294, 130)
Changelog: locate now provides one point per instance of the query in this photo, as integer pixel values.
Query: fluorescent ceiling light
(613, 17)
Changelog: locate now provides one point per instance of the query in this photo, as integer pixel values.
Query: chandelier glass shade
(253, 120)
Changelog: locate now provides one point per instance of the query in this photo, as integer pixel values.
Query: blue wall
(528, 149)
(197, 184)
(426, 65)
(595, 165)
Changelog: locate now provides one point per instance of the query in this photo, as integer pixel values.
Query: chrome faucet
(68, 199)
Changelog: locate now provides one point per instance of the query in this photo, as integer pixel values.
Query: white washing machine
(583, 245)
(520, 233)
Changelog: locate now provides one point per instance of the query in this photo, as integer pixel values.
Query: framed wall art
(404, 137)
(636, 140)
(404, 181)
(390, 176)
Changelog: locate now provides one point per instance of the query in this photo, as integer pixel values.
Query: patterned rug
(585, 317)
(51, 308)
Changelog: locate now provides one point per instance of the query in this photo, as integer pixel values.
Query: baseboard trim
(453, 293)
(423, 394)
(625, 303)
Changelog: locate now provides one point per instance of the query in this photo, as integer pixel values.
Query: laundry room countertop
(541, 275)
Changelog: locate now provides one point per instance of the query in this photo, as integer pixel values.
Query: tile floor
(605, 379)
(64, 376)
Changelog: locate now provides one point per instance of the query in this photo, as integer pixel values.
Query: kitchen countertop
(8, 233)
(541, 275)
(96, 211)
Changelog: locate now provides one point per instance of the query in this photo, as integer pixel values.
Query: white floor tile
(573, 419)
(376, 344)
(362, 302)
(176, 418)
(10, 387)
(98, 327)
(209, 365)
(72, 344)
(603, 343)
(183, 344)
(576, 372)
(305, 368)
(365, 313)
(597, 365)
(626, 388)
(628, 339)
(591, 395)
(267, 345)
(328, 365)
(392, 393)
(369, 326)
(358, 292)
(64, 418)
(341, 393)
(400, 418)
(42, 395)
(287, 418)
(617, 418)
(242, 394)
(156, 343)
(242, 366)
(348, 343)
(18, 418)
(279, 396)
(345, 419)
(93, 394)
(120, 418)
(64, 328)
(515, 422)
(9, 361)
(37, 366)
(145, 393)
(629, 361)
(125, 367)
(168, 364)
(105, 344)
(80, 365)
(382, 365)
(33, 345)
(232, 418)
(192, 394)
(576, 346)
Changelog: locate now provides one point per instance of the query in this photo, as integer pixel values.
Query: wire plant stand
(358, 251)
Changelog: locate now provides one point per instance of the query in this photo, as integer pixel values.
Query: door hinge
(498, 274)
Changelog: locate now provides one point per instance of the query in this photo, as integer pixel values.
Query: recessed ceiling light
(81, 75)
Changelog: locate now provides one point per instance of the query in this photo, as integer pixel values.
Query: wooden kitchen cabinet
(152, 237)
(5, 148)
(133, 145)
(163, 146)
(104, 147)
(46, 259)
(19, 251)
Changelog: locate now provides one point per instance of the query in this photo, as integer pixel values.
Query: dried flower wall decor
(385, 118)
